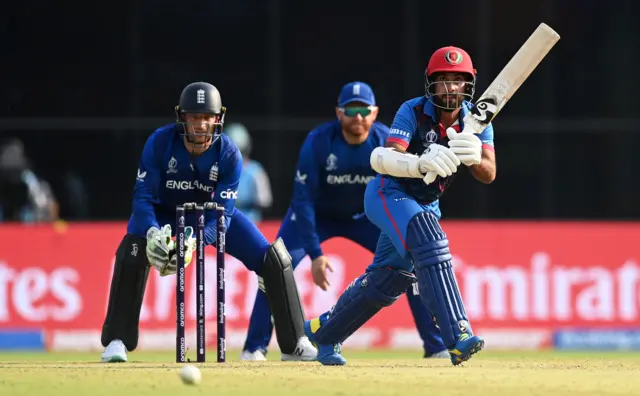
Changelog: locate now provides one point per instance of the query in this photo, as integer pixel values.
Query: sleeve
(145, 191)
(486, 137)
(226, 191)
(403, 126)
(305, 190)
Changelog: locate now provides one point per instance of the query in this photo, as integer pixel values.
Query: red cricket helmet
(449, 60)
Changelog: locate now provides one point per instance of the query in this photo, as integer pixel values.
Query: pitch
(367, 373)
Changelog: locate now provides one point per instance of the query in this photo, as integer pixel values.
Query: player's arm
(305, 191)
(393, 159)
(475, 151)
(145, 196)
(402, 129)
(145, 191)
(226, 191)
(485, 171)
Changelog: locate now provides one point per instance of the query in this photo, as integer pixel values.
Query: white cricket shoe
(305, 351)
(439, 355)
(114, 352)
(256, 356)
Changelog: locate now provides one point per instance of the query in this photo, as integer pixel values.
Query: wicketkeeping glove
(189, 248)
(158, 248)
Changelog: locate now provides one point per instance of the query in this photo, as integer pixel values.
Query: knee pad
(364, 297)
(428, 247)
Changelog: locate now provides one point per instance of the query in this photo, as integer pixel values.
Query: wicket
(181, 214)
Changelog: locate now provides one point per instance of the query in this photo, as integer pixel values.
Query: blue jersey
(415, 127)
(168, 175)
(331, 178)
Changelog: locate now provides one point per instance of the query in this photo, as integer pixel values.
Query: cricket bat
(511, 78)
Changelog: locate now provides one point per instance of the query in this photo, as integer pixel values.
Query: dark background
(84, 85)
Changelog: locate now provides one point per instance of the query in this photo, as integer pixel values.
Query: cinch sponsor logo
(229, 194)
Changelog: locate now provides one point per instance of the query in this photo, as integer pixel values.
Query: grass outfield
(367, 373)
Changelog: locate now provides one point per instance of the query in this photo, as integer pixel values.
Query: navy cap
(356, 92)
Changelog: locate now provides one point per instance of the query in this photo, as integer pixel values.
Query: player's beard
(356, 129)
(449, 102)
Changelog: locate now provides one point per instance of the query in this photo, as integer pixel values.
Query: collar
(429, 109)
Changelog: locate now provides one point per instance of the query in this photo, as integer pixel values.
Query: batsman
(331, 177)
(426, 146)
(193, 161)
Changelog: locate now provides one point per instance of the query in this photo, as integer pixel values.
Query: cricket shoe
(444, 354)
(255, 356)
(328, 354)
(305, 352)
(115, 352)
(466, 347)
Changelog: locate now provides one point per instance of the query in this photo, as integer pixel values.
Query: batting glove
(437, 161)
(467, 146)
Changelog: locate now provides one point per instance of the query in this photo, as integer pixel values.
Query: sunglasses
(354, 111)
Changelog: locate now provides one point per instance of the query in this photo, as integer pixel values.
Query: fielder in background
(332, 173)
(424, 149)
(255, 188)
(192, 161)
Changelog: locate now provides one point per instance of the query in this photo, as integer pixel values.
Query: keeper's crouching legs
(128, 284)
(284, 301)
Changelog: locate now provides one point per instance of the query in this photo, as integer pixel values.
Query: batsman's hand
(467, 146)
(189, 248)
(319, 267)
(158, 246)
(436, 161)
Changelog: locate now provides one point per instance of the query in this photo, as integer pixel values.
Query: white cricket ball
(190, 375)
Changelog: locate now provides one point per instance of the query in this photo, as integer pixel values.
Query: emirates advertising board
(526, 285)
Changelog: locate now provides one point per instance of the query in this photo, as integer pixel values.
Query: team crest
(200, 98)
(453, 57)
(213, 173)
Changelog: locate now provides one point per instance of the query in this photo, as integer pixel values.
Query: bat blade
(512, 76)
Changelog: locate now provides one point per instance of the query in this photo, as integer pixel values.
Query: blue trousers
(391, 209)
(360, 231)
(245, 241)
(408, 224)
